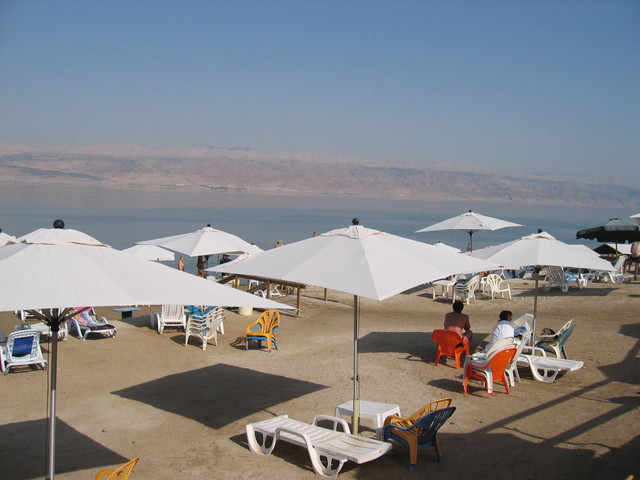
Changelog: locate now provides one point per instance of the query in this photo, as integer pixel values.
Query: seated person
(505, 328)
(458, 322)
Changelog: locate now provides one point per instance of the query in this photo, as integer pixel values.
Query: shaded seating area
(85, 321)
(328, 448)
(22, 348)
(420, 429)
(556, 277)
(450, 344)
(170, 316)
(121, 473)
(263, 329)
(205, 326)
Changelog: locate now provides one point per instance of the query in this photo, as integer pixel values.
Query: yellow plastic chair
(120, 473)
(264, 329)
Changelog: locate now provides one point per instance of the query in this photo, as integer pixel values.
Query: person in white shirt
(503, 329)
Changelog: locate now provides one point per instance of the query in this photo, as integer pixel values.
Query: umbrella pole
(51, 433)
(535, 304)
(356, 381)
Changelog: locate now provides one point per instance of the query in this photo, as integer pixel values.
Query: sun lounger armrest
(528, 350)
(335, 422)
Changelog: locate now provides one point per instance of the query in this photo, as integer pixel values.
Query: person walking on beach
(181, 263)
(459, 322)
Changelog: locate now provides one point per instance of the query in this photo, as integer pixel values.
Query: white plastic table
(377, 412)
(445, 285)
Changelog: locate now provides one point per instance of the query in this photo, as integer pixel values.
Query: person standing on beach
(203, 260)
(459, 322)
(181, 263)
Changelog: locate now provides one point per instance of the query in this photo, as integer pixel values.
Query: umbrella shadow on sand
(411, 343)
(23, 447)
(241, 391)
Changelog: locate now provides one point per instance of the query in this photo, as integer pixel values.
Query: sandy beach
(184, 410)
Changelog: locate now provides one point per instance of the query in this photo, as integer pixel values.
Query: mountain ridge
(199, 168)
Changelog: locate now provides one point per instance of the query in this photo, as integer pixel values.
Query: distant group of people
(459, 322)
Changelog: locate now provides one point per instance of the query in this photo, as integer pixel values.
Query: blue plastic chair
(421, 434)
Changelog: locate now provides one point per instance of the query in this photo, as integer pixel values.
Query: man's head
(458, 306)
(506, 315)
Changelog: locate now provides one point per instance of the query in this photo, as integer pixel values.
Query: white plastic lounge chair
(523, 320)
(328, 448)
(45, 330)
(206, 327)
(170, 316)
(497, 285)
(466, 290)
(543, 368)
(22, 348)
(557, 278)
(86, 322)
(618, 276)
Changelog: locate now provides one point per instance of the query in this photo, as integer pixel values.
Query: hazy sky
(507, 85)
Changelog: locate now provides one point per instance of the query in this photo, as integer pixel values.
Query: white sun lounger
(328, 448)
(543, 368)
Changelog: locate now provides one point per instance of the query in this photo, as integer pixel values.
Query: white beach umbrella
(206, 241)
(151, 252)
(541, 250)
(469, 222)
(4, 238)
(636, 217)
(447, 247)
(52, 268)
(361, 261)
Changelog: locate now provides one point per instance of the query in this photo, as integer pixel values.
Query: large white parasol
(151, 252)
(361, 261)
(469, 222)
(206, 241)
(54, 268)
(541, 250)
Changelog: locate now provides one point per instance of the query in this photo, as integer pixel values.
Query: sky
(521, 86)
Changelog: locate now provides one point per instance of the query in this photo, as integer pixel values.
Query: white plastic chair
(497, 285)
(543, 368)
(170, 316)
(206, 327)
(556, 278)
(466, 289)
(512, 369)
(22, 348)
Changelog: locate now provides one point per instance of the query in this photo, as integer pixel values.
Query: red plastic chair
(491, 369)
(450, 344)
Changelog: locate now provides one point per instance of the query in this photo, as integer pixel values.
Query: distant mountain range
(242, 169)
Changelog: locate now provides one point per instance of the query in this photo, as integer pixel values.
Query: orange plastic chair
(490, 370)
(120, 473)
(264, 329)
(450, 344)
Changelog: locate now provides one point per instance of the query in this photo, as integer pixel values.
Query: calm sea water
(120, 218)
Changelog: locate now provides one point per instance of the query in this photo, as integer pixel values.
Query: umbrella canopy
(361, 261)
(613, 230)
(4, 238)
(151, 252)
(470, 222)
(541, 250)
(55, 268)
(206, 241)
(636, 217)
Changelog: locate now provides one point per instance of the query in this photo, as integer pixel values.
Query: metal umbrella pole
(356, 380)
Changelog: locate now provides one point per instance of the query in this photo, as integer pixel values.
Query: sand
(184, 410)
